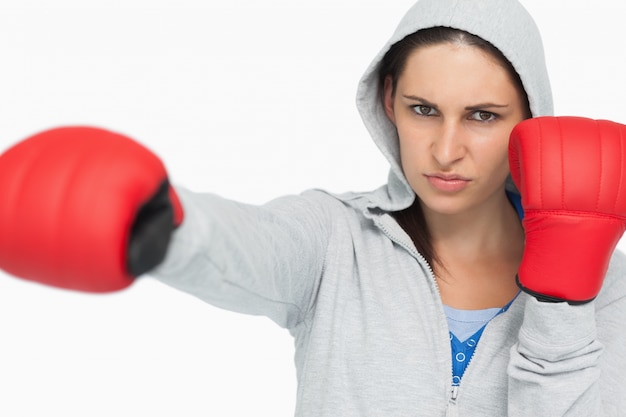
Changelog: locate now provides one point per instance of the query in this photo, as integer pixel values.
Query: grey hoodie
(363, 306)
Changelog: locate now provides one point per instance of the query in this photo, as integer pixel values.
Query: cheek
(414, 161)
(412, 151)
(494, 155)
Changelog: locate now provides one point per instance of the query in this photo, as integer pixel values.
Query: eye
(483, 116)
(423, 110)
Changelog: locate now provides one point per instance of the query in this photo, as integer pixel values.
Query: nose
(449, 145)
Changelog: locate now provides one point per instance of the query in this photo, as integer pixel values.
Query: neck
(477, 229)
(479, 252)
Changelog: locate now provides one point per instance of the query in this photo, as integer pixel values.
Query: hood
(503, 23)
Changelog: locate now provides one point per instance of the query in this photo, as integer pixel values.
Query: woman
(375, 286)
(403, 301)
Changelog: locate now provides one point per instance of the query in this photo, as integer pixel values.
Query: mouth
(448, 183)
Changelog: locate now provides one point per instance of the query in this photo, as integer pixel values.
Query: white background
(247, 99)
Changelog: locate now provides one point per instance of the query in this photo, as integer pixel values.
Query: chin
(448, 206)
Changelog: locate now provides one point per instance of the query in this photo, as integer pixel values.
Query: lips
(448, 183)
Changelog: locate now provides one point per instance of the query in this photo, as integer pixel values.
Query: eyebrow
(478, 106)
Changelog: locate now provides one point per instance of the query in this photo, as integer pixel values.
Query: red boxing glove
(84, 209)
(571, 173)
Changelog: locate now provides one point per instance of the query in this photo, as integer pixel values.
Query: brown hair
(412, 219)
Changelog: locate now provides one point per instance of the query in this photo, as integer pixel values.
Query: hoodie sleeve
(261, 260)
(571, 360)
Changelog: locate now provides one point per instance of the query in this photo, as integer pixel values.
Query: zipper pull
(451, 410)
(454, 393)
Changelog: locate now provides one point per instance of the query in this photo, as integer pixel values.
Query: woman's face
(454, 107)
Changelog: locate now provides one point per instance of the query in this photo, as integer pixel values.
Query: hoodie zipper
(410, 247)
(451, 410)
(454, 393)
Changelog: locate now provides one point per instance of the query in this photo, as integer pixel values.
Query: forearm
(554, 369)
(261, 260)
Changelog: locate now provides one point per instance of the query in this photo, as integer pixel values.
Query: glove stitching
(560, 136)
(621, 173)
(601, 165)
(575, 213)
(539, 149)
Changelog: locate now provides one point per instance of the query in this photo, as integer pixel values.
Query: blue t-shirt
(466, 327)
